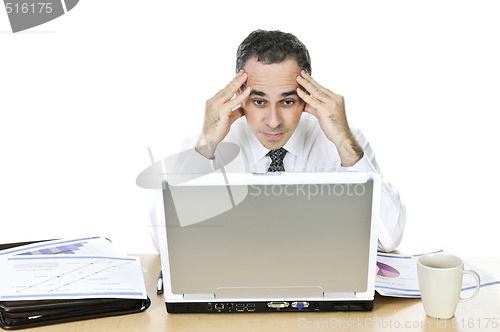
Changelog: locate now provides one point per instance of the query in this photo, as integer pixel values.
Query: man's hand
(329, 109)
(220, 112)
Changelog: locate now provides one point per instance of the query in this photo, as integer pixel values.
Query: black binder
(26, 314)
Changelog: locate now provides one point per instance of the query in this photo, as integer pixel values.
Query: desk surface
(389, 314)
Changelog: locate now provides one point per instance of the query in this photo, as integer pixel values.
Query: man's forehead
(285, 68)
(276, 78)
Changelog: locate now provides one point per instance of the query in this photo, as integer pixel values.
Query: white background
(83, 96)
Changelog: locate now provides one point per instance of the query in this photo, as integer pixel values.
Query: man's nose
(273, 118)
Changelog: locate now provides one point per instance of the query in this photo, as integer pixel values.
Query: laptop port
(278, 305)
(219, 306)
(300, 305)
(229, 306)
(251, 306)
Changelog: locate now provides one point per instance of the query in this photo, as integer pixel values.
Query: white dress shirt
(309, 150)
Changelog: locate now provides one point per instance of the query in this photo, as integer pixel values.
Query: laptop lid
(270, 236)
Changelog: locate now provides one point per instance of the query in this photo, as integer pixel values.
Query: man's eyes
(258, 102)
(286, 102)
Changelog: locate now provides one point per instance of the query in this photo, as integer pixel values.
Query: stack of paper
(397, 276)
(69, 269)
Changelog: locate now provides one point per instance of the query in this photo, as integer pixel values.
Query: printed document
(69, 269)
(397, 276)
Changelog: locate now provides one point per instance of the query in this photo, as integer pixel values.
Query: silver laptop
(272, 242)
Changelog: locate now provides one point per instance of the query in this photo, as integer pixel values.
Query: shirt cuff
(363, 165)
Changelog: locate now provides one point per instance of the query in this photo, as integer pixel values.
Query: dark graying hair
(272, 47)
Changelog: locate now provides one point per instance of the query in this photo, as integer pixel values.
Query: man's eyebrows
(282, 95)
(258, 93)
(289, 93)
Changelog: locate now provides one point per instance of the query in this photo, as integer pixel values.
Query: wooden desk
(389, 314)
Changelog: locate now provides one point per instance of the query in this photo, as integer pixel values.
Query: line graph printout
(70, 276)
(88, 246)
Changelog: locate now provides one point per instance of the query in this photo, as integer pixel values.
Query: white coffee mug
(440, 281)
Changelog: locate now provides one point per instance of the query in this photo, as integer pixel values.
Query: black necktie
(277, 160)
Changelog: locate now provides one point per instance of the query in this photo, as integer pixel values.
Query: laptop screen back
(279, 235)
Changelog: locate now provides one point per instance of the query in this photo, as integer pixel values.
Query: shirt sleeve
(392, 217)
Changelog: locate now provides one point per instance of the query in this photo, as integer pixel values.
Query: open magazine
(397, 275)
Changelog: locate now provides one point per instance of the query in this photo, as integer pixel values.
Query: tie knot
(277, 157)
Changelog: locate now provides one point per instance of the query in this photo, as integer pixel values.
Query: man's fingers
(239, 98)
(314, 88)
(315, 91)
(233, 86)
(309, 99)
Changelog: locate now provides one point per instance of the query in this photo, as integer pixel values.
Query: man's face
(273, 108)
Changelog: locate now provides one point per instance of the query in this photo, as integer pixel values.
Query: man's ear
(241, 89)
(305, 104)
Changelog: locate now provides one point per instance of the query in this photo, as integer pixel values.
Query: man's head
(272, 61)
(271, 47)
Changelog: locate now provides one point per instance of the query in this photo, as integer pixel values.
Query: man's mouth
(273, 136)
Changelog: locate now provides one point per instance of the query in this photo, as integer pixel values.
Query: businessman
(283, 120)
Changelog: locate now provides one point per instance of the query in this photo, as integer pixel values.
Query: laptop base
(273, 306)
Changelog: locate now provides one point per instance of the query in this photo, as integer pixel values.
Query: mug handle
(478, 284)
